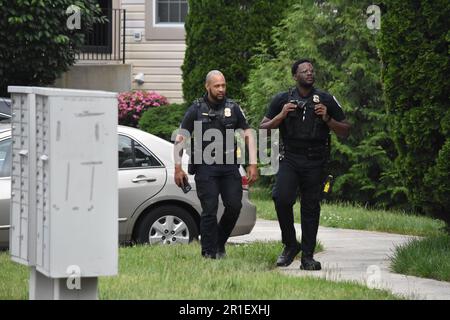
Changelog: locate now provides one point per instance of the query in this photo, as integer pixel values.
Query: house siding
(159, 60)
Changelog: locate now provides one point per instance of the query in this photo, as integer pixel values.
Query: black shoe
(208, 255)
(221, 253)
(308, 263)
(288, 255)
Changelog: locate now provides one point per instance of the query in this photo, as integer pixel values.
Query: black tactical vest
(302, 127)
(221, 119)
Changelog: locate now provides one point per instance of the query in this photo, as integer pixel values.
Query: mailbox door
(22, 153)
(83, 182)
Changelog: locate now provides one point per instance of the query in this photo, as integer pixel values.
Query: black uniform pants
(298, 174)
(229, 186)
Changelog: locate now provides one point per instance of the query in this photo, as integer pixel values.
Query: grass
(348, 216)
(427, 258)
(178, 272)
(13, 279)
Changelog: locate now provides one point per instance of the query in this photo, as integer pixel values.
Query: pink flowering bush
(133, 104)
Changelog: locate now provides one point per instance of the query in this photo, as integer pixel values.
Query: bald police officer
(305, 115)
(219, 175)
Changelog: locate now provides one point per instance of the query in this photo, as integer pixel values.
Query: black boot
(308, 263)
(221, 253)
(288, 255)
(208, 255)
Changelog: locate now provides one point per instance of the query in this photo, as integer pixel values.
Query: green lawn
(428, 258)
(357, 217)
(178, 272)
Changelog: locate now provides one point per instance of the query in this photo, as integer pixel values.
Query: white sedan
(152, 209)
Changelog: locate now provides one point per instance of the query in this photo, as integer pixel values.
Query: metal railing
(106, 41)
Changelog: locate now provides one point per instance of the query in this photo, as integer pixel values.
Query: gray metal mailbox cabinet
(64, 207)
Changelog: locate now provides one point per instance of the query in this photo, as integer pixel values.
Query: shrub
(133, 104)
(36, 46)
(335, 36)
(415, 50)
(223, 35)
(163, 121)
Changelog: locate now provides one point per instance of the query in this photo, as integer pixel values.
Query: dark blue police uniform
(219, 178)
(305, 140)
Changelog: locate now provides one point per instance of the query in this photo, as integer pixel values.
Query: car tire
(168, 224)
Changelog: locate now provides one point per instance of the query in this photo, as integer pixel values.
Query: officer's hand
(180, 175)
(252, 173)
(288, 107)
(321, 110)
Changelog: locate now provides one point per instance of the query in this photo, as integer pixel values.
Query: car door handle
(140, 179)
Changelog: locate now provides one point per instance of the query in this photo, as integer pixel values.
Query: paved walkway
(352, 255)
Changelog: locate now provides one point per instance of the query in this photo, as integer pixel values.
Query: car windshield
(5, 125)
(5, 108)
(5, 158)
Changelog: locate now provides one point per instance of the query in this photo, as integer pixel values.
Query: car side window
(134, 155)
(5, 158)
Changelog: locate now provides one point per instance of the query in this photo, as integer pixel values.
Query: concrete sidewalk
(352, 255)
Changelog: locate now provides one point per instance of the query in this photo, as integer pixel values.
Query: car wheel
(167, 225)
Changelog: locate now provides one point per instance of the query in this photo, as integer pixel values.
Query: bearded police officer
(215, 113)
(305, 115)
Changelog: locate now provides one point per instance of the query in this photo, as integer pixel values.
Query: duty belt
(305, 150)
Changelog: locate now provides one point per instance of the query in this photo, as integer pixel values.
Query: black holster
(191, 168)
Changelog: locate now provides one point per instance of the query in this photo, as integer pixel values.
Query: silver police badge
(227, 112)
(316, 98)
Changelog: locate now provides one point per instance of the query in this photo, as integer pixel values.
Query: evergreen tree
(415, 52)
(36, 45)
(335, 36)
(222, 35)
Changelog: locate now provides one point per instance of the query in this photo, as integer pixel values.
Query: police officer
(305, 115)
(215, 113)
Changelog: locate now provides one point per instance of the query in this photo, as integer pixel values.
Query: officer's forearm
(342, 129)
(274, 123)
(178, 151)
(250, 140)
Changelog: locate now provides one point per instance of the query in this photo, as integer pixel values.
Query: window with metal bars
(105, 41)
